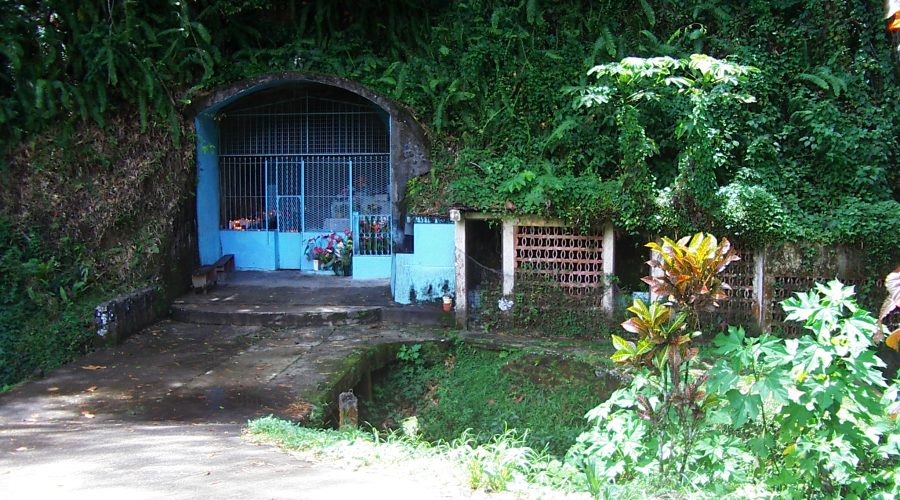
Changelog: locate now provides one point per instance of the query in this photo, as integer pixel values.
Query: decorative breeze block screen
(784, 287)
(559, 253)
(738, 309)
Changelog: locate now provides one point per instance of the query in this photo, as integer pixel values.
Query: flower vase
(316, 265)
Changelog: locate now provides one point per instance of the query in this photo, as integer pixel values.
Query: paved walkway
(160, 416)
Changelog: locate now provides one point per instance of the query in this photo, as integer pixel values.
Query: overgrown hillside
(93, 96)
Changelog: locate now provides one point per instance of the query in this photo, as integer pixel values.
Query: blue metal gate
(301, 163)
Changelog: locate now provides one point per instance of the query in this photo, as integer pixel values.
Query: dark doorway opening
(631, 264)
(484, 268)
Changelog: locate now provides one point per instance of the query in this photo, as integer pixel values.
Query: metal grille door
(289, 194)
(303, 161)
(327, 189)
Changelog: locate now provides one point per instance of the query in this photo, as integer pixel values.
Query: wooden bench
(204, 277)
(208, 276)
(224, 265)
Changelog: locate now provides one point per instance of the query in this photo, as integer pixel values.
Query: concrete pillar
(609, 268)
(760, 304)
(461, 310)
(210, 245)
(509, 255)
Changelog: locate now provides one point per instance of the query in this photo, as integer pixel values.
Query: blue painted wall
(251, 249)
(209, 241)
(367, 267)
(429, 268)
(208, 189)
(290, 250)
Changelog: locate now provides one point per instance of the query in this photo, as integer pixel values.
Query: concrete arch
(408, 147)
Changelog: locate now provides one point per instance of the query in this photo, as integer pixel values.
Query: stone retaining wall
(126, 314)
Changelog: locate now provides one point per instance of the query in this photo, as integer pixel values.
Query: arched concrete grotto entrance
(288, 157)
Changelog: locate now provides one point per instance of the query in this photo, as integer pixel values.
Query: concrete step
(274, 315)
(419, 314)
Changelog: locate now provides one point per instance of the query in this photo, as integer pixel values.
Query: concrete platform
(295, 298)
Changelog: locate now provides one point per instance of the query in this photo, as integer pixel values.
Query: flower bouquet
(330, 251)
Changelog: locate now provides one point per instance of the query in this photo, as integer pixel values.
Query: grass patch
(502, 463)
(483, 393)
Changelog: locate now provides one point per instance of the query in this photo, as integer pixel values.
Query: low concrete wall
(126, 314)
(429, 271)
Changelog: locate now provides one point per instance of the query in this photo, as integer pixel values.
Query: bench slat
(225, 263)
(204, 277)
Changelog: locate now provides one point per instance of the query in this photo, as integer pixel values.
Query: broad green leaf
(730, 342)
(643, 347)
(621, 357)
(648, 11)
(744, 407)
(722, 378)
(622, 345)
(775, 386)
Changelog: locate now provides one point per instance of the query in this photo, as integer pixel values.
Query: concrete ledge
(427, 314)
(275, 315)
(126, 314)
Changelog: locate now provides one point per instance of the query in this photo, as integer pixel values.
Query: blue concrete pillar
(208, 189)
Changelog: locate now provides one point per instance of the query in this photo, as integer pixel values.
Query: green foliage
(750, 212)
(658, 332)
(627, 439)
(696, 86)
(667, 143)
(816, 402)
(66, 61)
(669, 398)
(300, 438)
(502, 460)
(800, 417)
(489, 393)
(46, 308)
(505, 462)
(541, 307)
(689, 270)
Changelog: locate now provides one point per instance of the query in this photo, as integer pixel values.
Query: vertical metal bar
(306, 122)
(231, 190)
(277, 197)
(266, 193)
(350, 208)
(390, 186)
(256, 191)
(223, 192)
(302, 195)
(240, 190)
